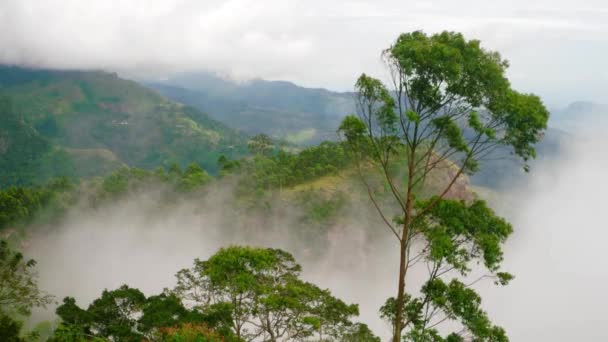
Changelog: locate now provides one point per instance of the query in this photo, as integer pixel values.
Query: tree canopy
(450, 106)
(265, 297)
(238, 294)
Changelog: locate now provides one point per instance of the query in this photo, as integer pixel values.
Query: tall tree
(265, 297)
(452, 106)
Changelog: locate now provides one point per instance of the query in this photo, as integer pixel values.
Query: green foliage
(73, 333)
(266, 298)
(10, 329)
(445, 69)
(26, 157)
(451, 105)
(260, 144)
(238, 294)
(455, 235)
(359, 332)
(458, 233)
(191, 333)
(129, 180)
(21, 205)
(264, 173)
(194, 176)
(124, 314)
(19, 292)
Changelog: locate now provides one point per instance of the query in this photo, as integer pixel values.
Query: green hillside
(280, 109)
(107, 121)
(25, 155)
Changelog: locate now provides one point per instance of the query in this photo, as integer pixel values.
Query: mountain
(103, 121)
(280, 109)
(580, 115)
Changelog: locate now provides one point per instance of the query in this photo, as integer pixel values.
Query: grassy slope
(347, 181)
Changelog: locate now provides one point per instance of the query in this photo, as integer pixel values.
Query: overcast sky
(556, 48)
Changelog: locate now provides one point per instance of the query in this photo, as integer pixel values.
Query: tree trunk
(403, 247)
(400, 294)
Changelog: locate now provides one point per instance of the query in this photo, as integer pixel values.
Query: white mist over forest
(556, 251)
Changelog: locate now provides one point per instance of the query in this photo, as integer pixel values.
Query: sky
(556, 48)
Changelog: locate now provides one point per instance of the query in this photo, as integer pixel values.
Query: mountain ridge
(281, 109)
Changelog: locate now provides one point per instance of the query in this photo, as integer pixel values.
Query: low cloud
(556, 253)
(558, 249)
(555, 47)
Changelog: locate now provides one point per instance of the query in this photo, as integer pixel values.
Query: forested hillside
(25, 155)
(103, 122)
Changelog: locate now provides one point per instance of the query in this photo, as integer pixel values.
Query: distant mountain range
(306, 116)
(280, 109)
(101, 122)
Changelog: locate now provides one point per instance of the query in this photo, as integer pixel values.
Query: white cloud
(554, 46)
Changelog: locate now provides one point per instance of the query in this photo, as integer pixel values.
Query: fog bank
(134, 242)
(556, 251)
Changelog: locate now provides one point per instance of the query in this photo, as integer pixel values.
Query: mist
(134, 242)
(556, 251)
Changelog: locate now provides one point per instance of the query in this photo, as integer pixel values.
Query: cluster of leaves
(265, 297)
(10, 329)
(454, 235)
(238, 294)
(19, 292)
(126, 314)
(127, 180)
(191, 333)
(21, 205)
